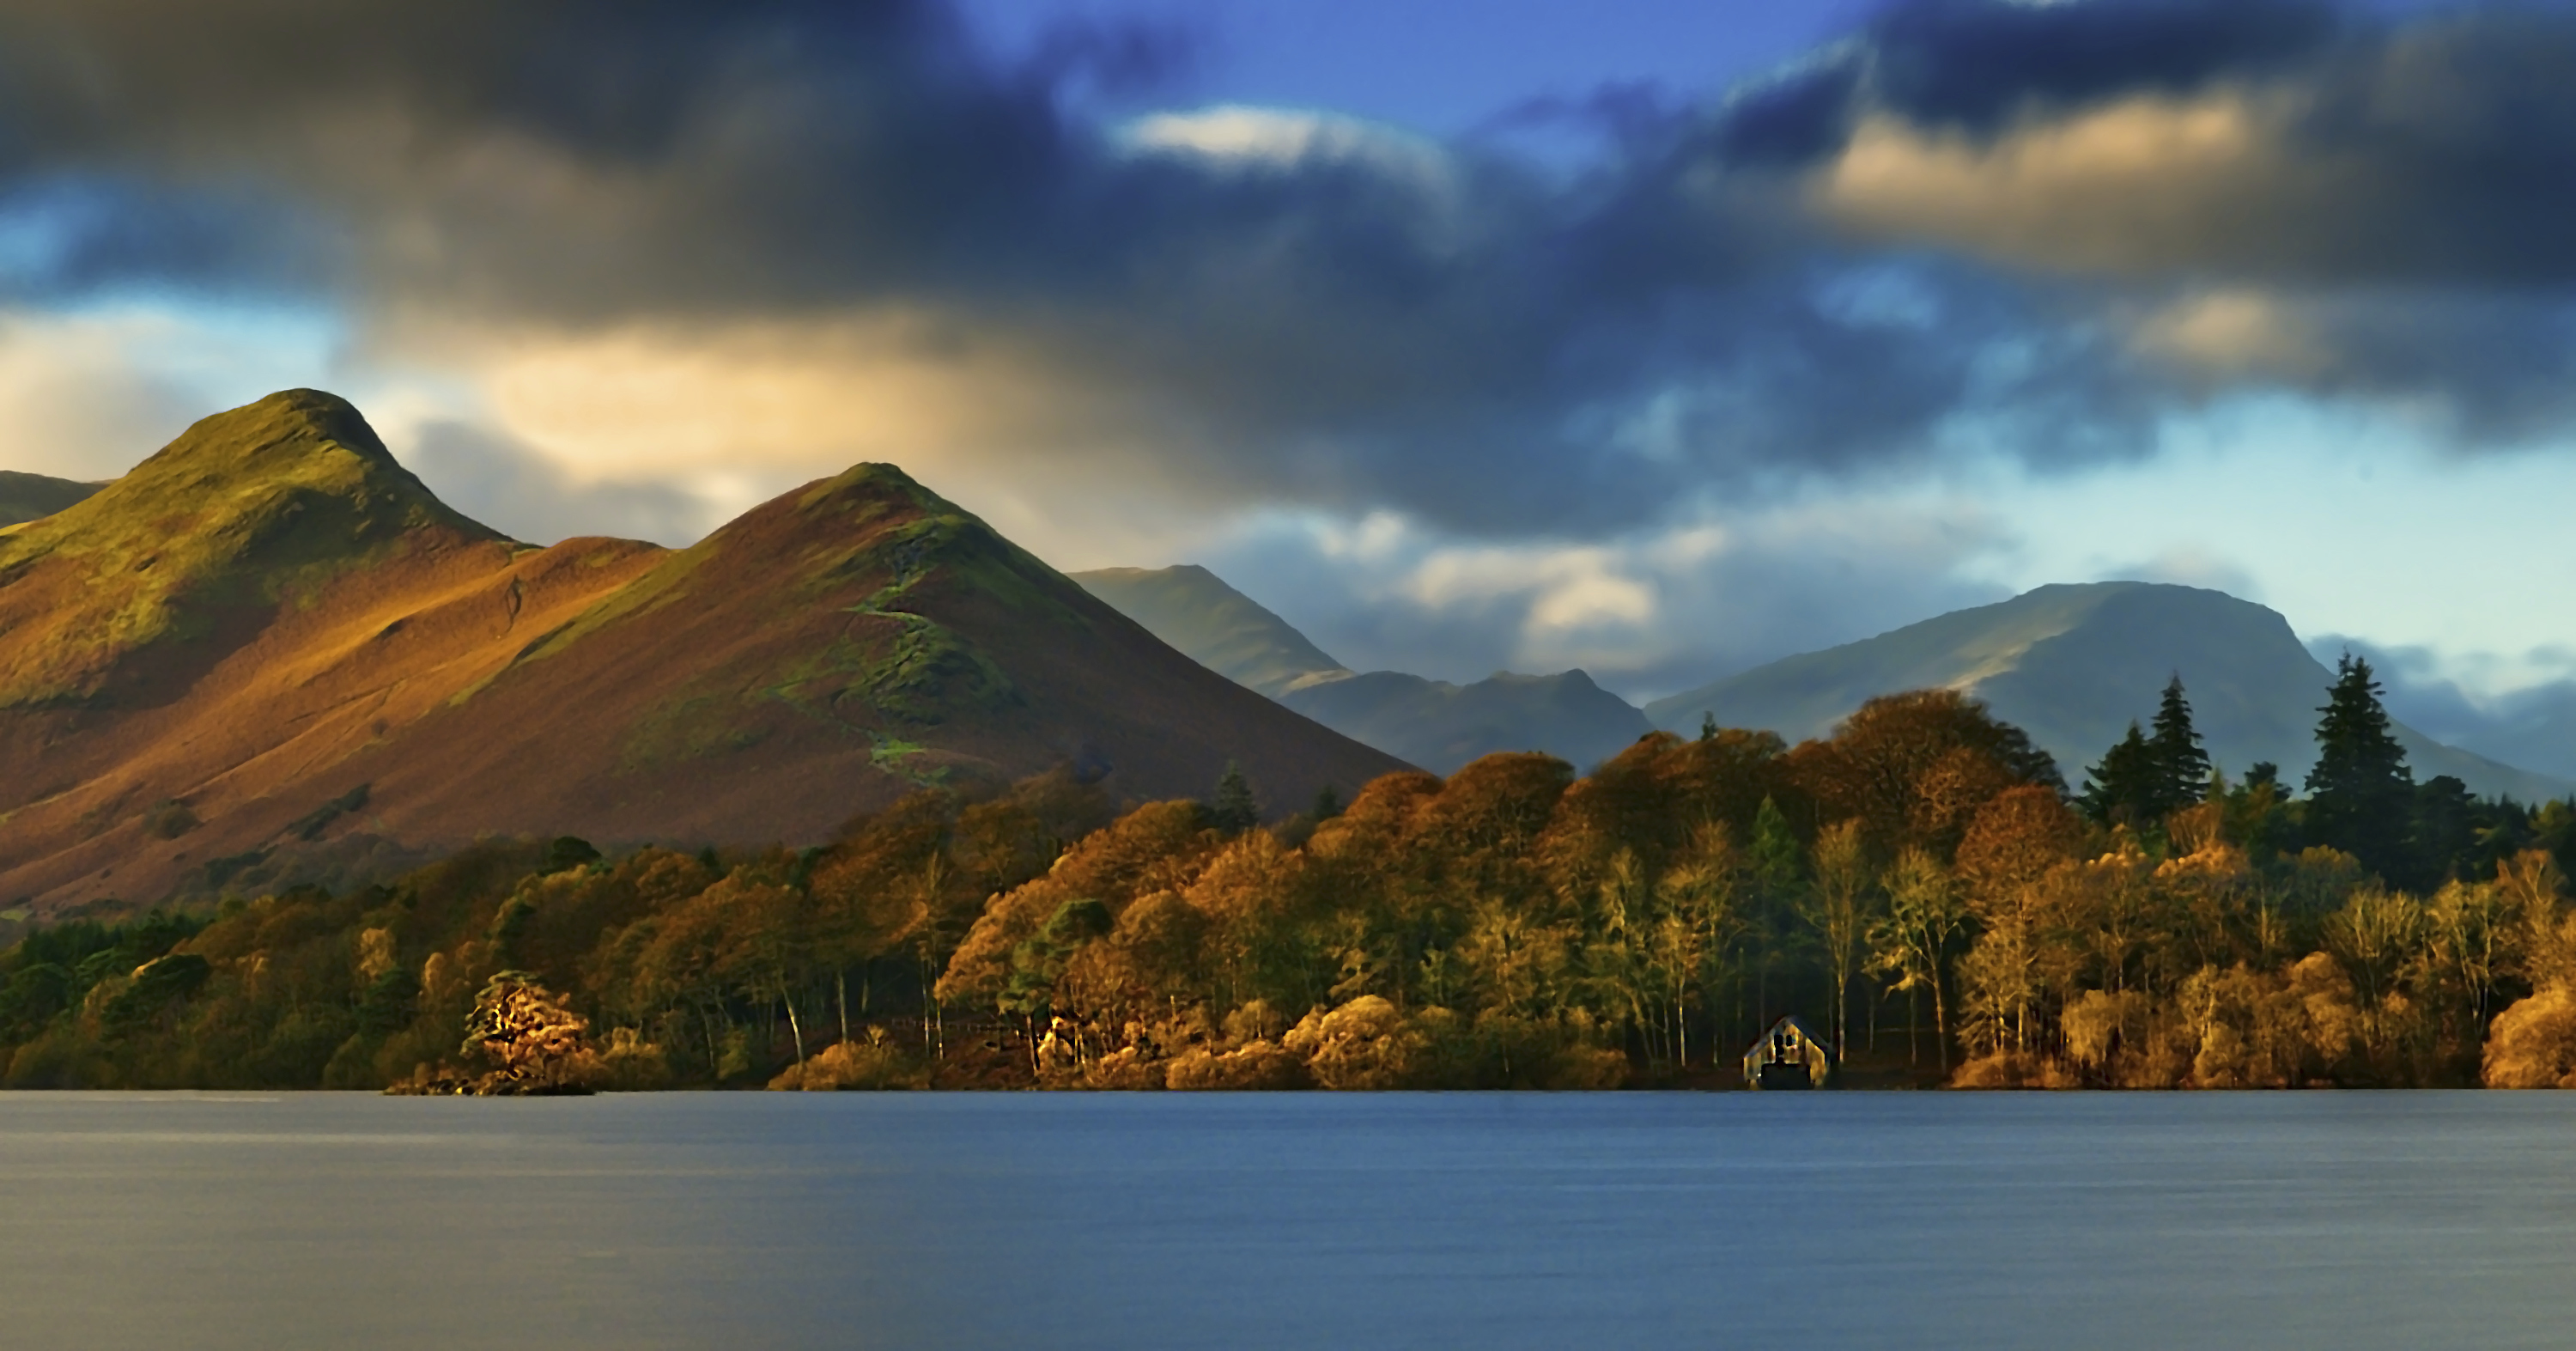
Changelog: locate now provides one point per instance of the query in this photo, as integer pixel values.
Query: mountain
(2534, 726)
(1219, 627)
(25, 497)
(1434, 724)
(2073, 665)
(1442, 727)
(269, 649)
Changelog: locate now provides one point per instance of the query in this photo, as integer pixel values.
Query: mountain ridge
(345, 664)
(2072, 664)
(1432, 723)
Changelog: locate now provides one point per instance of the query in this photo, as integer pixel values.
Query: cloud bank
(664, 240)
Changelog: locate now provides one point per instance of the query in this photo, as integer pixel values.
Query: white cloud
(1646, 613)
(1285, 137)
(87, 394)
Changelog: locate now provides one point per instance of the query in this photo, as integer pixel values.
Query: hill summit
(270, 650)
(248, 510)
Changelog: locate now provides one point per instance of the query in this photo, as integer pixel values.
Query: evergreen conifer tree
(2123, 789)
(2361, 795)
(1777, 865)
(2182, 766)
(1328, 804)
(1234, 811)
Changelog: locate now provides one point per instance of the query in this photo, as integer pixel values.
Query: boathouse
(1788, 1056)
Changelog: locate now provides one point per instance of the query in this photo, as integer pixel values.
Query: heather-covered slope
(2072, 665)
(269, 652)
(25, 497)
(1432, 723)
(826, 652)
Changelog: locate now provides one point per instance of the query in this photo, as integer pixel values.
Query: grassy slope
(270, 646)
(832, 649)
(247, 511)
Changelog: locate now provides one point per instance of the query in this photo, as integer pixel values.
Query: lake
(1290, 1220)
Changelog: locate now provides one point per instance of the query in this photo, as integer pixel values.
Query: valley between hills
(308, 780)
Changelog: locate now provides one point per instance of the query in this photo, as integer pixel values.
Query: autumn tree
(1911, 942)
(1836, 907)
(1914, 766)
(540, 1045)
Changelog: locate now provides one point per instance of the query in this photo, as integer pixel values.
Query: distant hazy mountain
(2534, 727)
(27, 497)
(1217, 626)
(2537, 728)
(1441, 726)
(1432, 723)
(2072, 665)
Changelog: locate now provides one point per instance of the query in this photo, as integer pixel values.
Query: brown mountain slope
(328, 659)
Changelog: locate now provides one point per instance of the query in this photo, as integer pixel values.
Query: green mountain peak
(247, 510)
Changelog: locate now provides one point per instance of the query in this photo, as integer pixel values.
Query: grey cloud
(2439, 148)
(1976, 63)
(517, 491)
(1780, 584)
(1449, 336)
(1454, 333)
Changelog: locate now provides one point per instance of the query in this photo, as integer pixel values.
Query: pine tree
(2124, 788)
(2360, 795)
(1328, 804)
(1235, 811)
(2181, 765)
(1777, 865)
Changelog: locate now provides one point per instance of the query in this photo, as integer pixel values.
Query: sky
(1656, 338)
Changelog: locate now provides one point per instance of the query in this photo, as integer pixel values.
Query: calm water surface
(1305, 1221)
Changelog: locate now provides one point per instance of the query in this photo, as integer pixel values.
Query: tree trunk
(796, 1030)
(844, 983)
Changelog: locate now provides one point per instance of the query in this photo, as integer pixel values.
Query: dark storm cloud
(1440, 329)
(1974, 64)
(2440, 150)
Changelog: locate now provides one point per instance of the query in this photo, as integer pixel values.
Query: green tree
(2123, 789)
(1235, 811)
(2361, 796)
(2181, 764)
(1777, 867)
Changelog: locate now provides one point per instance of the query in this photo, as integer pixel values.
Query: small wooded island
(1919, 885)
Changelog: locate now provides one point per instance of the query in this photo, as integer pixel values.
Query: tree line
(1922, 886)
